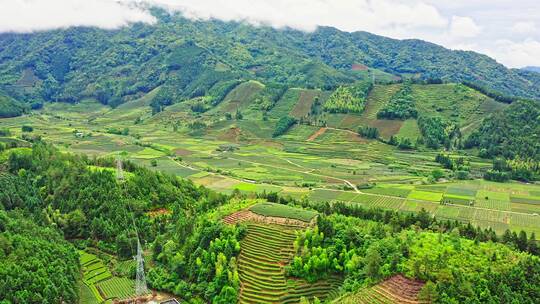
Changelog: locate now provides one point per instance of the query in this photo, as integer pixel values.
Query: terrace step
(264, 252)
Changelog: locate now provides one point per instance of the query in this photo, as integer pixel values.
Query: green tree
(373, 263)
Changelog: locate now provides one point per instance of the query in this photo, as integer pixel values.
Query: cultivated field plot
(264, 251)
(305, 102)
(285, 105)
(409, 129)
(375, 201)
(98, 284)
(377, 99)
(86, 296)
(397, 289)
(454, 102)
(464, 201)
(240, 97)
(117, 288)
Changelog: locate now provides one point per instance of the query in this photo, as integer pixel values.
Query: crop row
(115, 287)
(265, 250)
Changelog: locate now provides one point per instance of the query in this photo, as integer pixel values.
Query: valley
(304, 163)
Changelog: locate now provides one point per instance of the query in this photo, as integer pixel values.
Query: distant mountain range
(532, 69)
(192, 57)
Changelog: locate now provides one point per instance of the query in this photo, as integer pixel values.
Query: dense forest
(36, 264)
(196, 58)
(60, 192)
(10, 107)
(514, 132)
(350, 99)
(369, 251)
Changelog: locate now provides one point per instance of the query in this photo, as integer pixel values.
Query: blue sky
(508, 31)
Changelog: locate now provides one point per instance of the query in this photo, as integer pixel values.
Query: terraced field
(395, 290)
(117, 288)
(98, 284)
(265, 251)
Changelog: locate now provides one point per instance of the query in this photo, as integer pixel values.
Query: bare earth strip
(319, 132)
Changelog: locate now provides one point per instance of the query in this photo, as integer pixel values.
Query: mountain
(191, 57)
(532, 69)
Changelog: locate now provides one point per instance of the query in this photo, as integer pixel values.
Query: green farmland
(99, 285)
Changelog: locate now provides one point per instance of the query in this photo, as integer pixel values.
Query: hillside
(514, 132)
(196, 58)
(9, 107)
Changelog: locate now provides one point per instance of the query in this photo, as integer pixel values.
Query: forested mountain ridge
(116, 66)
(532, 69)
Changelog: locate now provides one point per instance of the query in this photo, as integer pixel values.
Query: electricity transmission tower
(119, 170)
(140, 284)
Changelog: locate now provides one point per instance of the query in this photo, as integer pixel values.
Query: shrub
(283, 124)
(26, 128)
(369, 132)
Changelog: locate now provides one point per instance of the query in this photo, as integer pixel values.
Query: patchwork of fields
(304, 162)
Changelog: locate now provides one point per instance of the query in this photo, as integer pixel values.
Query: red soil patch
(387, 128)
(231, 135)
(359, 67)
(400, 289)
(157, 212)
(319, 132)
(248, 216)
(182, 152)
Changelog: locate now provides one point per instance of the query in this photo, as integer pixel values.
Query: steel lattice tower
(140, 284)
(119, 170)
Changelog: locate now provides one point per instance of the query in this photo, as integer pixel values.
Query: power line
(140, 284)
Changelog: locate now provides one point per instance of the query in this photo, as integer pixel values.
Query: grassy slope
(454, 102)
(240, 98)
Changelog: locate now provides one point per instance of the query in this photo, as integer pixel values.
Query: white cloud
(377, 16)
(349, 15)
(523, 27)
(38, 15)
(517, 54)
(464, 27)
